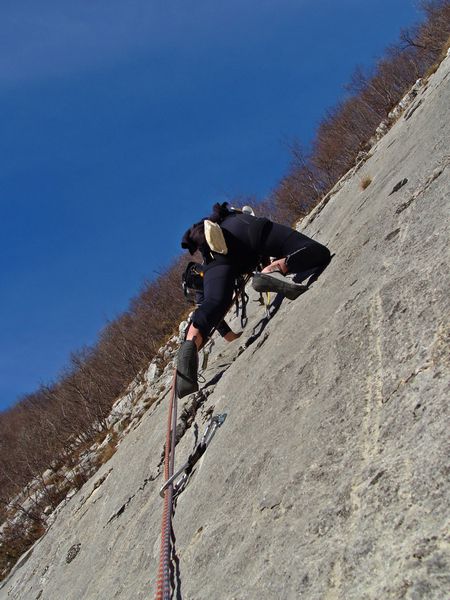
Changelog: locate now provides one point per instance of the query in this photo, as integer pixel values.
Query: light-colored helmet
(248, 210)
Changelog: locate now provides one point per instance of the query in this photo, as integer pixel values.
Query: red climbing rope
(163, 588)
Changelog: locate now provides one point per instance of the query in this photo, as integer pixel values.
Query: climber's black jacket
(248, 239)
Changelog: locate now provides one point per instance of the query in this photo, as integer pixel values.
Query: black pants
(304, 254)
(218, 288)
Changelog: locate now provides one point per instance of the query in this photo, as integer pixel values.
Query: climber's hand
(276, 265)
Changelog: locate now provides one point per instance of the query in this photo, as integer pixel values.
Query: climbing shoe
(278, 283)
(187, 365)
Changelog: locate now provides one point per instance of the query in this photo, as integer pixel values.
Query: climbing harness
(192, 284)
(192, 278)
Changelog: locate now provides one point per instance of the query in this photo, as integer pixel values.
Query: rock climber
(248, 239)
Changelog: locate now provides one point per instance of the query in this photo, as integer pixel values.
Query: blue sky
(122, 122)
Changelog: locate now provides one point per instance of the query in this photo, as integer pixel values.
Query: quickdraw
(213, 424)
(242, 294)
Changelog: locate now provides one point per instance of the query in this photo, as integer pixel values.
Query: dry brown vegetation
(108, 451)
(346, 129)
(45, 428)
(17, 539)
(365, 182)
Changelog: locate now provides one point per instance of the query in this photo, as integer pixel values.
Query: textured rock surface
(329, 478)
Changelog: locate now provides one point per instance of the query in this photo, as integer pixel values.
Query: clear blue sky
(122, 122)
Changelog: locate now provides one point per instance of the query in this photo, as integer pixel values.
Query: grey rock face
(329, 477)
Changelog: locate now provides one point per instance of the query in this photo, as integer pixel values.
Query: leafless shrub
(429, 37)
(108, 451)
(17, 539)
(347, 128)
(365, 182)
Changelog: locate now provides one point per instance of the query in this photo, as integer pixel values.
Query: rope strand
(163, 586)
